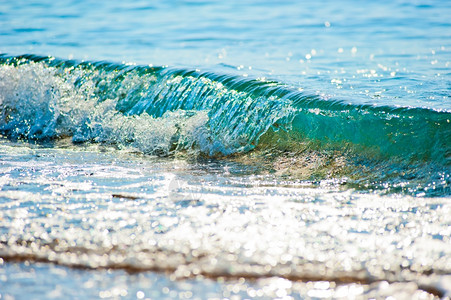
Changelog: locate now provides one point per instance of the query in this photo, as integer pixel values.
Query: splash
(164, 111)
(153, 109)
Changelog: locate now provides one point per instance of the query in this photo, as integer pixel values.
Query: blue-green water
(225, 149)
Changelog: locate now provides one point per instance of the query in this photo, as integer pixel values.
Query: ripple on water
(160, 215)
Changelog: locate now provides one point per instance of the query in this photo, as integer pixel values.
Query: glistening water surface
(207, 149)
(212, 219)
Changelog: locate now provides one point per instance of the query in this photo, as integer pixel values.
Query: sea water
(225, 149)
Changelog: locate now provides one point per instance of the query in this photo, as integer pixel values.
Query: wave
(155, 109)
(162, 110)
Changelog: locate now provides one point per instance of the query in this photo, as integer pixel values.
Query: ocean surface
(225, 149)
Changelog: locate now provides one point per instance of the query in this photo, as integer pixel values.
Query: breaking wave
(162, 111)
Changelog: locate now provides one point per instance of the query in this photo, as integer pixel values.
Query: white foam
(40, 102)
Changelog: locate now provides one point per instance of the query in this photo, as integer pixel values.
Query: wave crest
(154, 108)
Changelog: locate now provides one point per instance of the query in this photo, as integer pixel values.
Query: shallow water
(93, 209)
(43, 281)
(207, 149)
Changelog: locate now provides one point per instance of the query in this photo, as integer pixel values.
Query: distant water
(225, 149)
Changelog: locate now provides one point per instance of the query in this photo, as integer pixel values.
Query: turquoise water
(202, 149)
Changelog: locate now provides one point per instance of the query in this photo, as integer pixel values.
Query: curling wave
(157, 110)
(160, 109)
